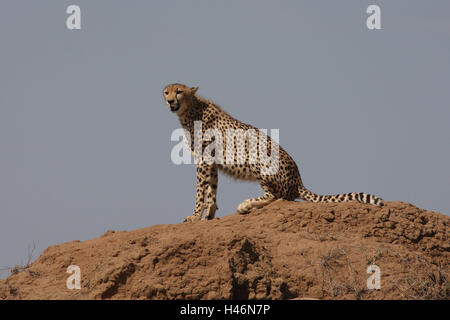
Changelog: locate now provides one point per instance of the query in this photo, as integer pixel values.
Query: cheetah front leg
(258, 202)
(206, 193)
(211, 192)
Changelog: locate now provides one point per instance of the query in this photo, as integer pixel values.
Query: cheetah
(283, 183)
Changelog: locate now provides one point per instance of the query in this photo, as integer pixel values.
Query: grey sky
(85, 136)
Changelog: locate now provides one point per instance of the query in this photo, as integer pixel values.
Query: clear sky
(85, 136)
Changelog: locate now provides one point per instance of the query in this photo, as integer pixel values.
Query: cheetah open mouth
(174, 108)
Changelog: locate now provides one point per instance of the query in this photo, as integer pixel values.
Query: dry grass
(340, 275)
(431, 284)
(19, 268)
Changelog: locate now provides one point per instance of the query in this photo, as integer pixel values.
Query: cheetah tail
(307, 195)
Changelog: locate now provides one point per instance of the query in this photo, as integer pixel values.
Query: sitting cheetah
(285, 183)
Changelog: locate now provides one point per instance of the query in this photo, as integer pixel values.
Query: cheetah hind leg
(258, 202)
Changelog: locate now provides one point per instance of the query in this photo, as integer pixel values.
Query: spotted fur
(284, 184)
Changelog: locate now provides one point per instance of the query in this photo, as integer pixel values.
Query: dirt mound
(286, 250)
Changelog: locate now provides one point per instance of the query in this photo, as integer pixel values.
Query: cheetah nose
(170, 101)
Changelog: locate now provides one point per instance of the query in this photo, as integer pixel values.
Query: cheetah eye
(179, 91)
(166, 93)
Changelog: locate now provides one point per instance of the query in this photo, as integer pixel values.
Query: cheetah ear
(194, 90)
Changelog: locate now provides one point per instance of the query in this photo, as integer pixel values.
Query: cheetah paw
(211, 212)
(242, 209)
(192, 218)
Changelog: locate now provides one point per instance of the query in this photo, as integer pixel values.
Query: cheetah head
(178, 96)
